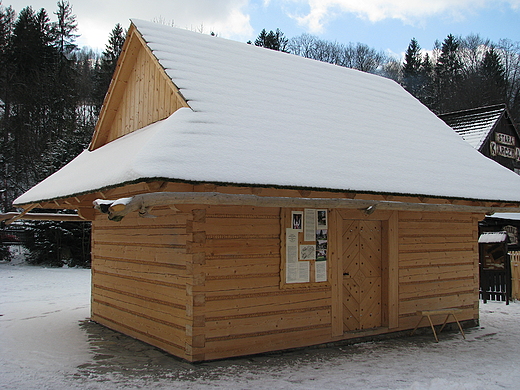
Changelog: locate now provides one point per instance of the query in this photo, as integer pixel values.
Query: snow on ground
(47, 342)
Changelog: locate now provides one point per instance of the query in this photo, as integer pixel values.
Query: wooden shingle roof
(475, 125)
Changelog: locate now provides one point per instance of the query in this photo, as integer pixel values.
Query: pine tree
(493, 77)
(448, 76)
(65, 28)
(426, 93)
(412, 59)
(108, 63)
(40, 131)
(6, 29)
(274, 40)
(59, 243)
(32, 59)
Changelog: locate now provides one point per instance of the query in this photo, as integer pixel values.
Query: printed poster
(321, 271)
(304, 271)
(309, 227)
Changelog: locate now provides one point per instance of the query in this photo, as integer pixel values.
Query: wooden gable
(140, 93)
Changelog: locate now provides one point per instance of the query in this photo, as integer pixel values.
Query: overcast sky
(387, 25)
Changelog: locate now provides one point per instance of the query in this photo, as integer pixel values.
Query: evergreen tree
(65, 28)
(32, 60)
(412, 59)
(412, 68)
(108, 63)
(6, 29)
(39, 122)
(274, 40)
(448, 76)
(427, 88)
(492, 73)
(59, 243)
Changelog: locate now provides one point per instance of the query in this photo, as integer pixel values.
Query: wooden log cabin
(260, 201)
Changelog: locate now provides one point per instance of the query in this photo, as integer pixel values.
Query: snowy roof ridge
(265, 118)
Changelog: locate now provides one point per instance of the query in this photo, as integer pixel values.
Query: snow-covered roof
(474, 125)
(261, 117)
(492, 237)
(511, 216)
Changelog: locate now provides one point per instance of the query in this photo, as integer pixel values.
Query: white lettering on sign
(493, 148)
(505, 139)
(504, 151)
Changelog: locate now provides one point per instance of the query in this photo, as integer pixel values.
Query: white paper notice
(309, 225)
(291, 256)
(321, 271)
(304, 270)
(291, 244)
(291, 273)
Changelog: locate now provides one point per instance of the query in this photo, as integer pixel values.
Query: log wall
(139, 277)
(206, 282)
(438, 264)
(245, 310)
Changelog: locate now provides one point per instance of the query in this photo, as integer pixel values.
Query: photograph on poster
(297, 220)
(321, 219)
(321, 255)
(321, 244)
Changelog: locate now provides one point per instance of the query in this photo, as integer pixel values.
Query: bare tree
(357, 56)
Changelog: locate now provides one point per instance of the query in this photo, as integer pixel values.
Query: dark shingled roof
(474, 125)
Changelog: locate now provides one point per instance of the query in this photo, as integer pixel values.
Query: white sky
(382, 24)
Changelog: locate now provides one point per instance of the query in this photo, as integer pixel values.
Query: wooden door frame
(389, 264)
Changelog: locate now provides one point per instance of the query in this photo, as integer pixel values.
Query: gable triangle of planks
(141, 93)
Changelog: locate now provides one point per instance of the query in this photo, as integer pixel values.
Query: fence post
(515, 274)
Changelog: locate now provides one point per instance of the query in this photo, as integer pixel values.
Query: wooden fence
(515, 274)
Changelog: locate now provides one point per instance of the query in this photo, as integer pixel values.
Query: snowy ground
(46, 342)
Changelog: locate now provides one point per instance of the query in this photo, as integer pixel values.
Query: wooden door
(361, 254)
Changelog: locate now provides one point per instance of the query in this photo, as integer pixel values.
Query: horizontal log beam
(117, 209)
(13, 216)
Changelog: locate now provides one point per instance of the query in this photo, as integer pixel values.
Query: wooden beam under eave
(13, 216)
(17, 216)
(87, 213)
(119, 208)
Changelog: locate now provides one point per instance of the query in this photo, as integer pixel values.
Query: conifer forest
(51, 93)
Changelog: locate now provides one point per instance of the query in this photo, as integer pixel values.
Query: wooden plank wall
(438, 264)
(203, 282)
(139, 277)
(149, 96)
(245, 310)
